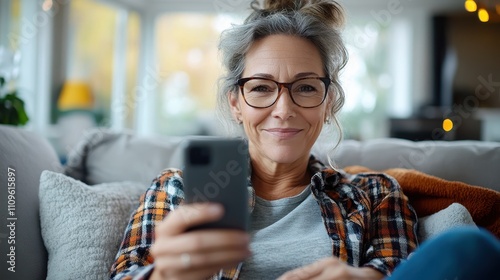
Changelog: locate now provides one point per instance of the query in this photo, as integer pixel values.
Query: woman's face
(284, 132)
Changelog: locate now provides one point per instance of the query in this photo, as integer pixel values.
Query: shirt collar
(324, 178)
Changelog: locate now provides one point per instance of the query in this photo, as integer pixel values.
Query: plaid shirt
(366, 215)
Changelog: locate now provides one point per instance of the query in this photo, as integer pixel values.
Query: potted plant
(12, 110)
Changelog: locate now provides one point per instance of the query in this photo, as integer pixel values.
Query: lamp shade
(75, 95)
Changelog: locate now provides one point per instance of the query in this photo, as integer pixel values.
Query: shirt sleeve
(133, 260)
(392, 234)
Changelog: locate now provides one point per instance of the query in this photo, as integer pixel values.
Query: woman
(308, 220)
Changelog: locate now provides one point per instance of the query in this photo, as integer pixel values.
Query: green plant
(11, 108)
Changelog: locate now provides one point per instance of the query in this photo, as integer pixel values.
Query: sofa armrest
(27, 154)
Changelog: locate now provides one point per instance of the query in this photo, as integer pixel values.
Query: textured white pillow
(454, 215)
(82, 226)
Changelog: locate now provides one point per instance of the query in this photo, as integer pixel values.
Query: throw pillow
(82, 226)
(454, 215)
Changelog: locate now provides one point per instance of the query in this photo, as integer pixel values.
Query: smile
(283, 133)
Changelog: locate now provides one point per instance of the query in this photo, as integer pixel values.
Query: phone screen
(216, 170)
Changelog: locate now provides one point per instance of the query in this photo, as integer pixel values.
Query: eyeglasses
(263, 93)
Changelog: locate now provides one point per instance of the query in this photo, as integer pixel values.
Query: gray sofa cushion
(104, 156)
(29, 154)
(471, 162)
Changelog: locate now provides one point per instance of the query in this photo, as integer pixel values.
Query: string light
(486, 9)
(483, 15)
(447, 125)
(470, 6)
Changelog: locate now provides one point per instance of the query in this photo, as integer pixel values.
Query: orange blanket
(429, 194)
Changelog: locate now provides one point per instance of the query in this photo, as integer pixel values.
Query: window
(9, 42)
(372, 84)
(186, 65)
(189, 68)
(91, 48)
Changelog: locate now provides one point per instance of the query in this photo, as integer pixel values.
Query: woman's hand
(329, 269)
(197, 254)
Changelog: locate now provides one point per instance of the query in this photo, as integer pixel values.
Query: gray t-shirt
(286, 234)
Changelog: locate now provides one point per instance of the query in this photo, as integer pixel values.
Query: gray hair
(236, 41)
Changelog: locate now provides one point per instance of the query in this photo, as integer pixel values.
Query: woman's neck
(273, 181)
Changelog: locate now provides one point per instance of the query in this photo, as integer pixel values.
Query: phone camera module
(199, 155)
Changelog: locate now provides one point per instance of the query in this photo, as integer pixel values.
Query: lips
(283, 133)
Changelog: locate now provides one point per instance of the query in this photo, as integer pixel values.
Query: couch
(66, 221)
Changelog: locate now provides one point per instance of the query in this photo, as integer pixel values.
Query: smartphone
(216, 170)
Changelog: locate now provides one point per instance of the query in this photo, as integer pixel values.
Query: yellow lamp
(75, 95)
(76, 113)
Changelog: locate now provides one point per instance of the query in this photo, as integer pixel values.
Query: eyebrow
(297, 76)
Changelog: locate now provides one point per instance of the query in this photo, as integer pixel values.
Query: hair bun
(328, 11)
(276, 5)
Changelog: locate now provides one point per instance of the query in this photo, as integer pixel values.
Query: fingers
(327, 268)
(189, 275)
(187, 216)
(305, 272)
(201, 260)
(162, 274)
(202, 240)
(196, 254)
(212, 261)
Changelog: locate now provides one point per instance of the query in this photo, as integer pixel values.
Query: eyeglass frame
(241, 82)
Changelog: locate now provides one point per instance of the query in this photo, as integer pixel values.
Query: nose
(284, 108)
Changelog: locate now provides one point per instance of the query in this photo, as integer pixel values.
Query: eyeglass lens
(304, 92)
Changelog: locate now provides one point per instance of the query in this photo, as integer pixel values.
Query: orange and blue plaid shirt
(366, 215)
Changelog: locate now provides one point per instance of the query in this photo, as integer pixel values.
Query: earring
(327, 120)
